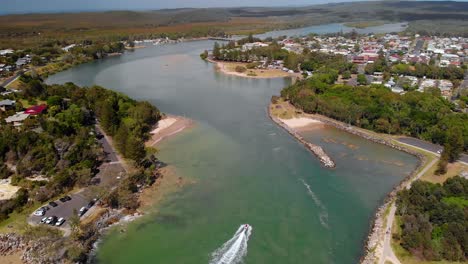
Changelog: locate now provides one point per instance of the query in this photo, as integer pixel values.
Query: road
(387, 252)
(111, 154)
(110, 173)
(11, 79)
(418, 47)
(427, 146)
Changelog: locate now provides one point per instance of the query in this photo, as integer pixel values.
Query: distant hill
(209, 21)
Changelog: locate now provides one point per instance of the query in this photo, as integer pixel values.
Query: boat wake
(323, 215)
(235, 249)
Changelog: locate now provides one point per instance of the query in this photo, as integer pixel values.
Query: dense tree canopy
(423, 115)
(434, 219)
(60, 145)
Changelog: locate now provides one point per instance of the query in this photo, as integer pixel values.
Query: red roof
(35, 110)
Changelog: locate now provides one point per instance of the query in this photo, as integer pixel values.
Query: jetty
(315, 149)
(221, 39)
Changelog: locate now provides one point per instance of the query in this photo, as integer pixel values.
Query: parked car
(51, 220)
(60, 221)
(65, 199)
(91, 203)
(53, 204)
(43, 220)
(40, 212)
(82, 211)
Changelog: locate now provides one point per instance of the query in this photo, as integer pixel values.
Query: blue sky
(33, 6)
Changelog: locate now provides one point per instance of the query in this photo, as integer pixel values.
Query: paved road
(418, 47)
(108, 149)
(12, 79)
(65, 209)
(427, 146)
(109, 175)
(387, 252)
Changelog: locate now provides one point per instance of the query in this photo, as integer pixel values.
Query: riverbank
(290, 125)
(168, 126)
(229, 68)
(374, 245)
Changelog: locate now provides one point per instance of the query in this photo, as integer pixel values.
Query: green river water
(246, 168)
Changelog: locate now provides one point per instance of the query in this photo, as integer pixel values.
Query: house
(36, 110)
(7, 104)
(69, 47)
(17, 119)
(5, 52)
(426, 83)
(21, 62)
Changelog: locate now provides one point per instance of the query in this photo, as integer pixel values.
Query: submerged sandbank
(167, 127)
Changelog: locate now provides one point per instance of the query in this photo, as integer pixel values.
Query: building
(7, 104)
(17, 119)
(36, 110)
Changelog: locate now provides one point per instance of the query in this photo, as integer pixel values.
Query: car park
(51, 220)
(91, 203)
(40, 212)
(60, 221)
(53, 204)
(66, 198)
(82, 211)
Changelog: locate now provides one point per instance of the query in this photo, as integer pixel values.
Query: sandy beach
(301, 123)
(229, 69)
(166, 127)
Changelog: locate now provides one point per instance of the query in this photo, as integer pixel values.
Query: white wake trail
(323, 215)
(235, 249)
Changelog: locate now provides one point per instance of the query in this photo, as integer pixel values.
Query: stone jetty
(315, 149)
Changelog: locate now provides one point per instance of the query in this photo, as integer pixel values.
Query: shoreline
(14, 248)
(315, 149)
(168, 126)
(221, 66)
(373, 244)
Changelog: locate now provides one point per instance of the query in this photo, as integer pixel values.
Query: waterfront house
(36, 110)
(17, 119)
(7, 104)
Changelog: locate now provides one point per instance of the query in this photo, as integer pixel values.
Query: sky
(35, 6)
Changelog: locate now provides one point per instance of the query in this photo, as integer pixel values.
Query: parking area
(110, 173)
(63, 209)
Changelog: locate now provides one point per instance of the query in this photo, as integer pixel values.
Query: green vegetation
(22, 31)
(422, 115)
(60, 145)
(434, 220)
(419, 70)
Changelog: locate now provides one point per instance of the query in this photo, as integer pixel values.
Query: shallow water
(246, 168)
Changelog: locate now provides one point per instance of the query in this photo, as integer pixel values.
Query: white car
(82, 211)
(60, 221)
(39, 212)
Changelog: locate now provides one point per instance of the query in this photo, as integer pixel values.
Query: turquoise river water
(246, 170)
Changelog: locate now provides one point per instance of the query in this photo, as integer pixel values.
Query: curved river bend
(246, 168)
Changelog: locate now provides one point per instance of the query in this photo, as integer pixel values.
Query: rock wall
(315, 149)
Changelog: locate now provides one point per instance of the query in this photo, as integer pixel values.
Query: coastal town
(329, 133)
(400, 63)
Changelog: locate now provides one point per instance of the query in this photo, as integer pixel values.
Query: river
(246, 169)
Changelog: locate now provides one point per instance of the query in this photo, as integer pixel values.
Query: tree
(216, 51)
(361, 79)
(455, 143)
(204, 55)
